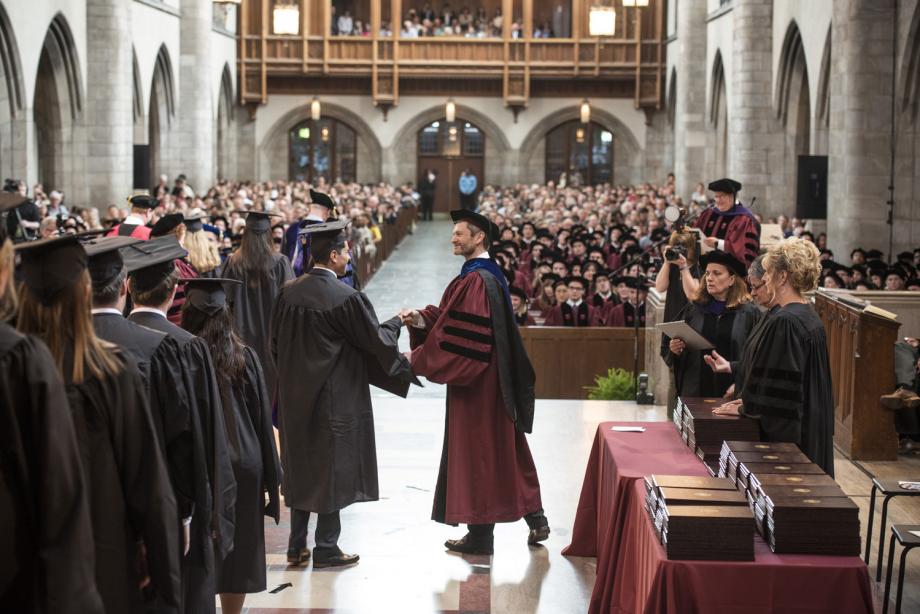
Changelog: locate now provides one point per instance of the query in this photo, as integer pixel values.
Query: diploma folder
(682, 330)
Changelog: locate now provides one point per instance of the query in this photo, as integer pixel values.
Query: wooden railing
(634, 57)
(861, 349)
(391, 235)
(567, 360)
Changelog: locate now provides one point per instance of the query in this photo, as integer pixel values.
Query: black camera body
(674, 252)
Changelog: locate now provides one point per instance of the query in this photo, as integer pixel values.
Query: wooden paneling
(568, 359)
(861, 350)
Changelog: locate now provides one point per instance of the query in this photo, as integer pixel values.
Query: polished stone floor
(404, 566)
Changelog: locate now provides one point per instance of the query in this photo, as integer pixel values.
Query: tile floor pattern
(404, 567)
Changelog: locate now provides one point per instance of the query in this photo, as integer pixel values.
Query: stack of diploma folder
(704, 432)
(700, 518)
(797, 507)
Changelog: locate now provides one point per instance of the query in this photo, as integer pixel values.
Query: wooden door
(449, 157)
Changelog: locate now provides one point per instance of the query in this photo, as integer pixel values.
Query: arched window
(325, 148)
(584, 152)
(443, 138)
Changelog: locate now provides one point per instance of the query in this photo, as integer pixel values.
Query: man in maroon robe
(575, 311)
(471, 343)
(135, 225)
(728, 226)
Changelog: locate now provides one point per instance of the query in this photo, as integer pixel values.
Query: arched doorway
(449, 148)
(583, 152)
(161, 117)
(717, 135)
(324, 148)
(225, 141)
(793, 104)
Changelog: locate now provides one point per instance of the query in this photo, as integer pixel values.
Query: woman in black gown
(131, 503)
(722, 312)
(247, 415)
(785, 367)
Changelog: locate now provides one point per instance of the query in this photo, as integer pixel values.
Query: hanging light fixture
(324, 135)
(579, 135)
(450, 111)
(286, 19)
(602, 20)
(585, 112)
(315, 109)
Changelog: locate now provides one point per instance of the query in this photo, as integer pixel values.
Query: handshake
(411, 317)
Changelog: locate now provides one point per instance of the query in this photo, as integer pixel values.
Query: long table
(634, 574)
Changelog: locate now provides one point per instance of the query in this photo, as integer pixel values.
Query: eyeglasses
(758, 286)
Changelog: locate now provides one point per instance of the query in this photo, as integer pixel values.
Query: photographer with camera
(679, 274)
(22, 223)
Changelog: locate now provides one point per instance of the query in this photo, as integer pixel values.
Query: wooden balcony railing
(636, 57)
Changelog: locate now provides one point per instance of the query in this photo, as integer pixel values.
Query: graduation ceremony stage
(404, 566)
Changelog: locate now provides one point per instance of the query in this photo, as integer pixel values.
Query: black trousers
(468, 201)
(427, 204)
(906, 421)
(328, 529)
(483, 532)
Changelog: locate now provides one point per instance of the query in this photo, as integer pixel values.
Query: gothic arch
(161, 116)
(716, 162)
(57, 111)
(273, 150)
(822, 127)
(910, 68)
(792, 81)
(12, 151)
(225, 141)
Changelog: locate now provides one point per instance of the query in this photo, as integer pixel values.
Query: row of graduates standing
(140, 449)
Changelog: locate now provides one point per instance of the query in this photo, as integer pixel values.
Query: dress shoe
(901, 398)
(538, 535)
(466, 545)
(296, 557)
(339, 559)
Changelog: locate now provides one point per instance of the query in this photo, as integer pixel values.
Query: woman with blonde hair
(722, 312)
(202, 253)
(131, 504)
(786, 368)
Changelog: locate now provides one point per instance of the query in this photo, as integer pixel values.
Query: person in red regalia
(471, 343)
(135, 225)
(728, 225)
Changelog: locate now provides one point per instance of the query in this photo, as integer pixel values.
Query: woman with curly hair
(787, 374)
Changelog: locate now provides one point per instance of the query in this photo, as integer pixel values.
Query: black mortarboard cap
(550, 277)
(150, 262)
(321, 199)
(480, 221)
(194, 223)
(50, 266)
(873, 254)
(166, 224)
(259, 221)
(907, 257)
(578, 278)
(207, 294)
(727, 186)
(143, 201)
(727, 260)
(321, 235)
(105, 260)
(896, 271)
(515, 291)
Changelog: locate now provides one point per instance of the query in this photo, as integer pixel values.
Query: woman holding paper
(722, 313)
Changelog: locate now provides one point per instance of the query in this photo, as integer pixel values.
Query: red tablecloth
(633, 572)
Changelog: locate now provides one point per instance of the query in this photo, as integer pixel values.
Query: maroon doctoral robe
(565, 315)
(737, 227)
(487, 472)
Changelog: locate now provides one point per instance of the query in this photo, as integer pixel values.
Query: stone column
(690, 100)
(755, 139)
(860, 129)
(108, 108)
(196, 108)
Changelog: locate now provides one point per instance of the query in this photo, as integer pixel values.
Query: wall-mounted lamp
(450, 111)
(585, 112)
(315, 109)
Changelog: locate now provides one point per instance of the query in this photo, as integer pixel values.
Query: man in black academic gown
(329, 347)
(152, 284)
(158, 360)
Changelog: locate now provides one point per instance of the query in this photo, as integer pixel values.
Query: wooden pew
(861, 349)
(568, 359)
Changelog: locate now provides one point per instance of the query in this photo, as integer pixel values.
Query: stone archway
(627, 153)
(273, 150)
(162, 117)
(57, 113)
(13, 159)
(225, 141)
(793, 111)
(822, 123)
(500, 159)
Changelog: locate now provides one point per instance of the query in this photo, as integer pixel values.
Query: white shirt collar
(317, 267)
(135, 220)
(573, 303)
(105, 310)
(313, 218)
(148, 310)
(484, 254)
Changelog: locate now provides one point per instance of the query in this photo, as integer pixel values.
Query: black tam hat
(480, 221)
(259, 221)
(207, 294)
(143, 201)
(321, 199)
(105, 260)
(150, 262)
(726, 186)
(167, 224)
(50, 266)
(515, 291)
(727, 260)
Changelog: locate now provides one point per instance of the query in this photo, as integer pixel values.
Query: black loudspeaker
(811, 195)
(142, 167)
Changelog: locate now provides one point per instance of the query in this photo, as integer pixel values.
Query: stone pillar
(196, 108)
(690, 100)
(860, 129)
(755, 156)
(108, 108)
(659, 149)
